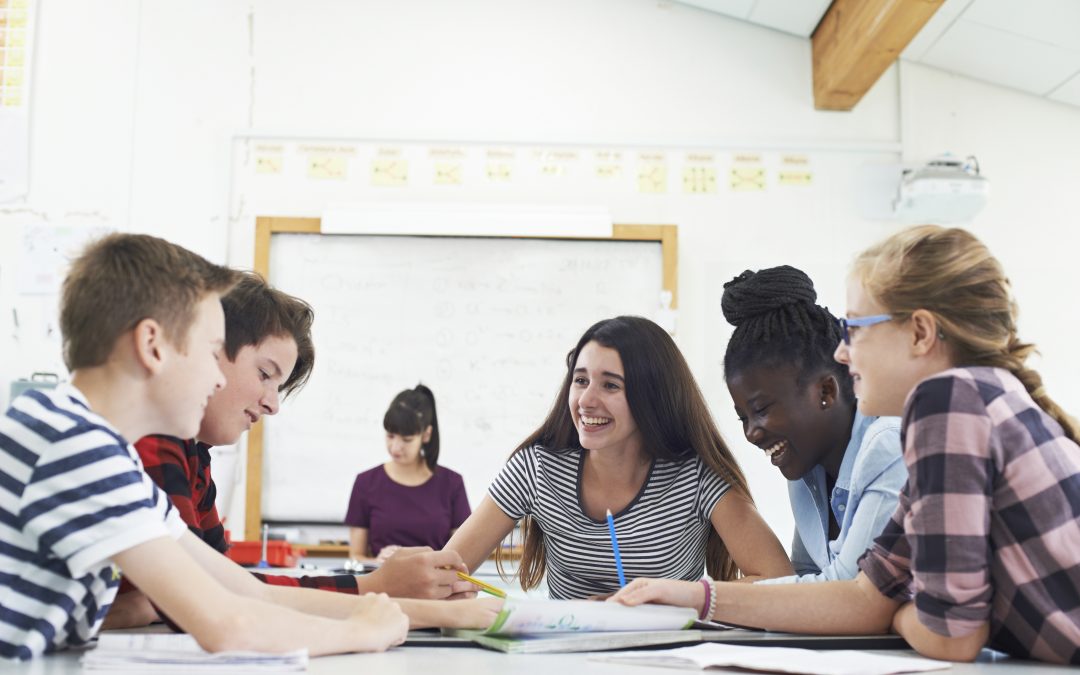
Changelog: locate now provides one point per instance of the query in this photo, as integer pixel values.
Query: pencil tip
(609, 512)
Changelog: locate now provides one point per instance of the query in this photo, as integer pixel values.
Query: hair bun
(755, 293)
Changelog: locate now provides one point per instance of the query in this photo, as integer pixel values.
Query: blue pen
(615, 548)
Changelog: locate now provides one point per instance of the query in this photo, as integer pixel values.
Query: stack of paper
(779, 660)
(143, 652)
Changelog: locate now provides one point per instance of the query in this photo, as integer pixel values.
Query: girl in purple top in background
(409, 500)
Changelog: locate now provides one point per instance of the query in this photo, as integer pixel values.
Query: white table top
(410, 660)
(471, 661)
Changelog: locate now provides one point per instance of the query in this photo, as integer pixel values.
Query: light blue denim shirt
(864, 497)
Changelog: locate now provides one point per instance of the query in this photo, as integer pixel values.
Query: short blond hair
(122, 279)
(951, 274)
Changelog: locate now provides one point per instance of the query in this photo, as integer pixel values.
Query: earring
(824, 404)
(423, 454)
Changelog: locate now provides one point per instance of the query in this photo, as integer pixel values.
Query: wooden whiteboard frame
(267, 226)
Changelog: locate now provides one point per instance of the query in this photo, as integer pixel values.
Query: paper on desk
(531, 617)
(779, 660)
(181, 653)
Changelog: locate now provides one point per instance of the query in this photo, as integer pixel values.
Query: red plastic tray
(278, 553)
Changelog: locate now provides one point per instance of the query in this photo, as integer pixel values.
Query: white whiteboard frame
(267, 226)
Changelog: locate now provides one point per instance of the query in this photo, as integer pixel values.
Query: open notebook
(168, 652)
(534, 626)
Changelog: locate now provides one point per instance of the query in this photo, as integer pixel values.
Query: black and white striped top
(73, 494)
(662, 533)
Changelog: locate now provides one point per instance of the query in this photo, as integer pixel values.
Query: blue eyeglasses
(858, 322)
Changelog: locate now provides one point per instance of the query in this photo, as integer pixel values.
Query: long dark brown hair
(670, 413)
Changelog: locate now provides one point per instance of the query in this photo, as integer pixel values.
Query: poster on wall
(47, 252)
(16, 67)
(30, 335)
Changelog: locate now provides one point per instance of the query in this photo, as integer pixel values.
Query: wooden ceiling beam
(857, 40)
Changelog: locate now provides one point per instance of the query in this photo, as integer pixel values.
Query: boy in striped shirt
(143, 333)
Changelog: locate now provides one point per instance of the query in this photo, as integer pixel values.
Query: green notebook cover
(536, 626)
(578, 642)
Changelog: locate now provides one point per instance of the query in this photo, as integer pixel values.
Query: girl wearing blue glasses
(796, 404)
(984, 547)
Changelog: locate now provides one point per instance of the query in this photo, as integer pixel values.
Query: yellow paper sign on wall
(389, 172)
(327, 166)
(801, 177)
(699, 180)
(448, 173)
(747, 178)
(652, 178)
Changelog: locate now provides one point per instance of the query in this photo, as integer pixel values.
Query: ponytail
(1013, 360)
(431, 448)
(411, 412)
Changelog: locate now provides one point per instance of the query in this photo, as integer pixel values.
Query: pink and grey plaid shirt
(988, 526)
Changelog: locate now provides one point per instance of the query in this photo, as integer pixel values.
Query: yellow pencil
(487, 588)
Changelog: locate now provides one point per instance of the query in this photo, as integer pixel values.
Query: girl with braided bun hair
(984, 547)
(796, 404)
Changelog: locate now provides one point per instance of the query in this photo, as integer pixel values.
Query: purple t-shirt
(403, 515)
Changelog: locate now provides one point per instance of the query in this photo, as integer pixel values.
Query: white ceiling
(1030, 45)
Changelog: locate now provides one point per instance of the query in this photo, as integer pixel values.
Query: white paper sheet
(780, 660)
(145, 652)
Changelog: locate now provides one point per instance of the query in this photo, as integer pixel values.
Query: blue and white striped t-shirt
(73, 494)
(662, 532)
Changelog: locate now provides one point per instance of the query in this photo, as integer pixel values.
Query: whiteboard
(485, 322)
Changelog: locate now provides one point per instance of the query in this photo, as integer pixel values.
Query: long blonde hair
(951, 274)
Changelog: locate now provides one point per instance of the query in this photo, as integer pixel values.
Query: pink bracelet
(707, 608)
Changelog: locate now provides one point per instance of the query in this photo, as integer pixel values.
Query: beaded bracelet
(709, 608)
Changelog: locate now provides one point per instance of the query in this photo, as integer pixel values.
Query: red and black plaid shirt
(182, 469)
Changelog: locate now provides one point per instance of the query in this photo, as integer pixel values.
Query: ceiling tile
(1068, 92)
(798, 17)
(1056, 22)
(740, 9)
(938, 24)
(1001, 57)
(953, 8)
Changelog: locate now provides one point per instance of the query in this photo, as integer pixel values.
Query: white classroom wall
(136, 132)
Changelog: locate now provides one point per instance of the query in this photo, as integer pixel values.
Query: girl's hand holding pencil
(485, 587)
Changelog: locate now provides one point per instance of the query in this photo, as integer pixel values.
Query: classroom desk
(469, 660)
(463, 661)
